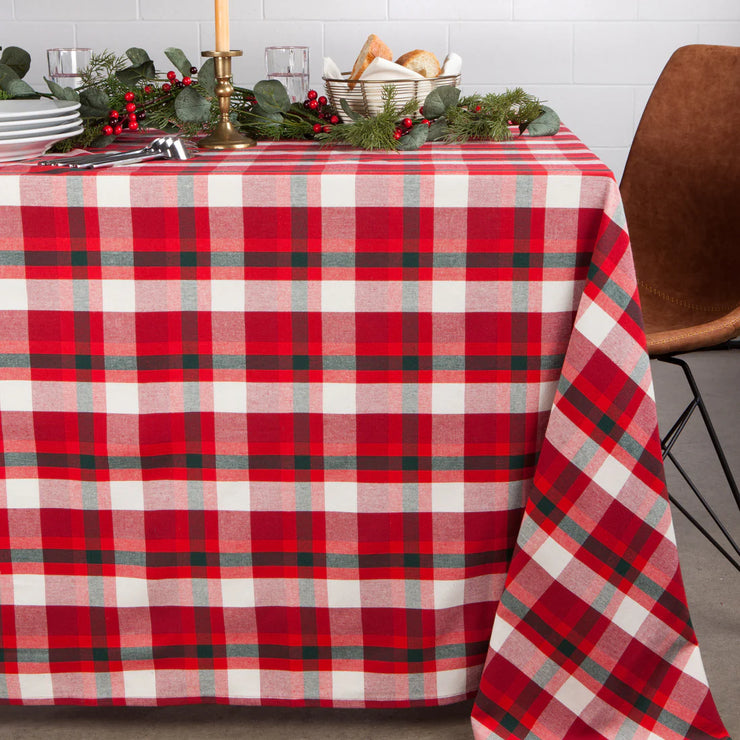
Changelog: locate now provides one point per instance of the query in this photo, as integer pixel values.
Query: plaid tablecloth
(312, 426)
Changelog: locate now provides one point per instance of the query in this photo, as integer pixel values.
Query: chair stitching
(685, 304)
(696, 333)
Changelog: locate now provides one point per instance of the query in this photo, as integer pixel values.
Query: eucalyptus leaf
(546, 124)
(267, 120)
(94, 97)
(207, 76)
(146, 69)
(354, 115)
(272, 96)
(190, 106)
(7, 75)
(438, 130)
(62, 93)
(87, 112)
(128, 76)
(439, 100)
(56, 90)
(13, 85)
(19, 60)
(414, 138)
(95, 103)
(19, 88)
(178, 58)
(137, 56)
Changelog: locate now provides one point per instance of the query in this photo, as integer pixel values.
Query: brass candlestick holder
(225, 135)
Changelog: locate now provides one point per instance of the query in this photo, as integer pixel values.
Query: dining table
(303, 425)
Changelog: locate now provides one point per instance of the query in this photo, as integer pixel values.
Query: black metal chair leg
(678, 505)
(670, 439)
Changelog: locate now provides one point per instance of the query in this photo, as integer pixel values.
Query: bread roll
(423, 62)
(372, 48)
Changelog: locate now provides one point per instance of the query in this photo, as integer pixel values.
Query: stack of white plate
(29, 127)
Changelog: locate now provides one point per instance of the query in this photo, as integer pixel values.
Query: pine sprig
(374, 132)
(102, 66)
(87, 138)
(290, 124)
(464, 124)
(488, 116)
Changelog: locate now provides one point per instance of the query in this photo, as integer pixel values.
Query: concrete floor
(713, 589)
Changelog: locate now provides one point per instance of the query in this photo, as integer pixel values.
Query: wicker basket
(366, 96)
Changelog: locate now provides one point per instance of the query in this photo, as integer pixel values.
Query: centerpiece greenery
(122, 93)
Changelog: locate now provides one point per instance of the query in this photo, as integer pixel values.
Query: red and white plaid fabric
(313, 426)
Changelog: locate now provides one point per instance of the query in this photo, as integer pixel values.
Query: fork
(103, 156)
(167, 147)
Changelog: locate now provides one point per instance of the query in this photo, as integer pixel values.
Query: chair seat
(672, 326)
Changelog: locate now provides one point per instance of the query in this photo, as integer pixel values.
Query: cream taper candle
(222, 25)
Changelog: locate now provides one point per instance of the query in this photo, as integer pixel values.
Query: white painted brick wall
(594, 61)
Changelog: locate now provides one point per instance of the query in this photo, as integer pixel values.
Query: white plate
(21, 124)
(35, 108)
(32, 146)
(40, 130)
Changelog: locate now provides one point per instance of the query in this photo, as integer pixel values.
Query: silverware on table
(163, 147)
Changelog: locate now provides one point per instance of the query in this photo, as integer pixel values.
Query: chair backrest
(681, 183)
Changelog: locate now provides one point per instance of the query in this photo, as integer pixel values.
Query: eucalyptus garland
(125, 93)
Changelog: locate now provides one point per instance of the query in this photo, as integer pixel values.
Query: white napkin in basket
(452, 65)
(331, 70)
(382, 69)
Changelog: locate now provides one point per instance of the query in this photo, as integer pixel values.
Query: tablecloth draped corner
(306, 426)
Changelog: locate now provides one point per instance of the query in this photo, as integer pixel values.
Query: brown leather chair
(681, 193)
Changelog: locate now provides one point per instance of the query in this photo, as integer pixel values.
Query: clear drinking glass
(289, 65)
(66, 65)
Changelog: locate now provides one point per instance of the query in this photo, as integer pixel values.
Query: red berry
(193, 70)
(171, 75)
(132, 117)
(317, 128)
(322, 115)
(477, 109)
(421, 110)
(334, 118)
(428, 123)
(397, 134)
(147, 89)
(407, 123)
(117, 129)
(166, 87)
(113, 115)
(326, 129)
(323, 100)
(129, 96)
(130, 107)
(107, 130)
(312, 95)
(187, 81)
(133, 125)
(313, 104)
